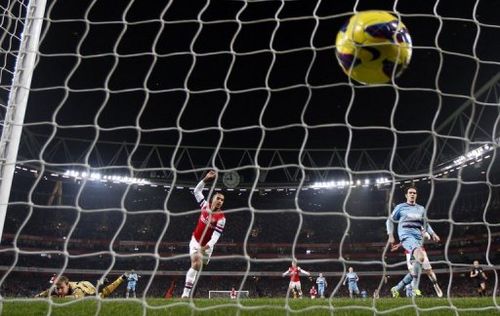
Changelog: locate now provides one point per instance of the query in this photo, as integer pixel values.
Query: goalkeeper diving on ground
(63, 287)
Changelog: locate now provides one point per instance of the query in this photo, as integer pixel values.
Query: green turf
(252, 307)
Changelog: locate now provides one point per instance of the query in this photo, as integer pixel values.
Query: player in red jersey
(206, 233)
(294, 271)
(233, 294)
(313, 292)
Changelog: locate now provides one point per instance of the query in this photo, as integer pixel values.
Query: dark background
(254, 74)
(258, 76)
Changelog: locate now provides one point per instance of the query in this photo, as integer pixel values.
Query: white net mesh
(12, 24)
(132, 102)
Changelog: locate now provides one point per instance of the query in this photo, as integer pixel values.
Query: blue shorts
(411, 243)
(131, 286)
(353, 287)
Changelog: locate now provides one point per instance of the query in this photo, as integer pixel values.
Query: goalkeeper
(67, 289)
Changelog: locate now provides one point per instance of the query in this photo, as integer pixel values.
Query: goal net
(228, 294)
(113, 111)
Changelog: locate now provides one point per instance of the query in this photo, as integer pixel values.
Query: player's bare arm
(395, 247)
(391, 239)
(390, 230)
(435, 237)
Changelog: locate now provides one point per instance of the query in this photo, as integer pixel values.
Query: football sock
(110, 288)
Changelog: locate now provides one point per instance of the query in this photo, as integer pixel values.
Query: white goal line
(238, 293)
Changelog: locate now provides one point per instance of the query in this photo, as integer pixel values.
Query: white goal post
(227, 294)
(18, 95)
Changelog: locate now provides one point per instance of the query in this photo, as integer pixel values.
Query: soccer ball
(371, 44)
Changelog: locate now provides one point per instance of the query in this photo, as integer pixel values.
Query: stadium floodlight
(94, 176)
(344, 183)
(382, 180)
(468, 159)
(323, 185)
(470, 156)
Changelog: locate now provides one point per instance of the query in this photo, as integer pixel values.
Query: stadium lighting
(338, 184)
(471, 155)
(468, 159)
(94, 176)
(382, 181)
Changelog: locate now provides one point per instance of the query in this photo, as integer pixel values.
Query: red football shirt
(208, 223)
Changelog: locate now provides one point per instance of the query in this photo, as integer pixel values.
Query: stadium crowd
(77, 234)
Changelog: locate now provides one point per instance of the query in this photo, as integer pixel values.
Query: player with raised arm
(322, 284)
(67, 289)
(351, 278)
(479, 276)
(206, 233)
(294, 271)
(411, 228)
(132, 279)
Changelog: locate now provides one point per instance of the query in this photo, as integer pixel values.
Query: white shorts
(409, 263)
(295, 285)
(194, 247)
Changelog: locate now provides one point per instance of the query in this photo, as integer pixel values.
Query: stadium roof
(261, 74)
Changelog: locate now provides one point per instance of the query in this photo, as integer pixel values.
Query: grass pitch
(262, 306)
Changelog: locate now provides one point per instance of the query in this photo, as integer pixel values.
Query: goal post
(227, 294)
(18, 94)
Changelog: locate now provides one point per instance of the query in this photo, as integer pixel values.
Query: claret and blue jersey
(351, 278)
(352, 282)
(411, 220)
(411, 224)
(132, 279)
